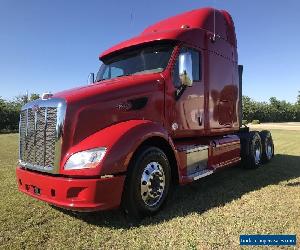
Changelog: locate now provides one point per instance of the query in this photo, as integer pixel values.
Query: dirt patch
(283, 126)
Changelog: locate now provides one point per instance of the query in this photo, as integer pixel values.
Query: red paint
(75, 194)
(121, 140)
(199, 21)
(94, 119)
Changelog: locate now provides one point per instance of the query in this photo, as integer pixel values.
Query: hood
(94, 107)
(108, 89)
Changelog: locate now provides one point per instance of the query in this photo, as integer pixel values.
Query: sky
(53, 45)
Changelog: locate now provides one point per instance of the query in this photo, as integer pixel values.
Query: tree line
(273, 111)
(10, 111)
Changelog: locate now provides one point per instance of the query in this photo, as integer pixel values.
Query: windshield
(148, 59)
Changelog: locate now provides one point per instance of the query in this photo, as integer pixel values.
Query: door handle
(200, 115)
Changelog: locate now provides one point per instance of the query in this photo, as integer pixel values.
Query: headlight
(85, 159)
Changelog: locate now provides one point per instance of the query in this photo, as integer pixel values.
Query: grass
(208, 214)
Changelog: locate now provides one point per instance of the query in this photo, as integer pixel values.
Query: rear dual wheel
(267, 146)
(256, 148)
(251, 150)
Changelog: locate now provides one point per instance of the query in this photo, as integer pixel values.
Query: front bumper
(70, 193)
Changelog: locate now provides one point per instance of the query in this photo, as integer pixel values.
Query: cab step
(200, 174)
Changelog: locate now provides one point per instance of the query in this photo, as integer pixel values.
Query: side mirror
(186, 69)
(91, 78)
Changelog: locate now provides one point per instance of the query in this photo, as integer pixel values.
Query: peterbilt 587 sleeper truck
(164, 109)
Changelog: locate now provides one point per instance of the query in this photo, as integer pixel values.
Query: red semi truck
(165, 108)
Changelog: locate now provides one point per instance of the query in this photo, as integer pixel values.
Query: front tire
(147, 184)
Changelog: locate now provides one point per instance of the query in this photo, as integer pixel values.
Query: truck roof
(185, 27)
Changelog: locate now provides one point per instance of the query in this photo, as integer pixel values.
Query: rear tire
(267, 146)
(251, 150)
(147, 184)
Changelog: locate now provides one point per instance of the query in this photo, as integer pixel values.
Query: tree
(297, 107)
(10, 111)
(21, 99)
(34, 96)
(274, 102)
(9, 115)
(274, 111)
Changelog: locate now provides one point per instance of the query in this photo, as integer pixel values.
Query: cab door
(189, 95)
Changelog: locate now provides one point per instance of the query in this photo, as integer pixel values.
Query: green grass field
(209, 214)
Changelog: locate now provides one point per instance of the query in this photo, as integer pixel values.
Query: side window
(196, 66)
(106, 74)
(115, 72)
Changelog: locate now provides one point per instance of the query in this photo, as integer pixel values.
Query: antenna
(132, 17)
(214, 23)
(26, 96)
(214, 35)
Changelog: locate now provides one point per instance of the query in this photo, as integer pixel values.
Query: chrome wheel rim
(257, 151)
(152, 184)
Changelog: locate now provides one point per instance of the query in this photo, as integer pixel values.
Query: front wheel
(148, 182)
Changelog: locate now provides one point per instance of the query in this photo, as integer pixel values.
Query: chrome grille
(40, 131)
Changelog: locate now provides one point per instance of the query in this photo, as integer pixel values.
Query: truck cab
(163, 109)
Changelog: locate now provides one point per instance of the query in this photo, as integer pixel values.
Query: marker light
(85, 159)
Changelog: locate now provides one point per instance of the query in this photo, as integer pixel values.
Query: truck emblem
(174, 126)
(125, 106)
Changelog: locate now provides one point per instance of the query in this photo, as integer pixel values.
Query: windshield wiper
(123, 75)
(113, 77)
